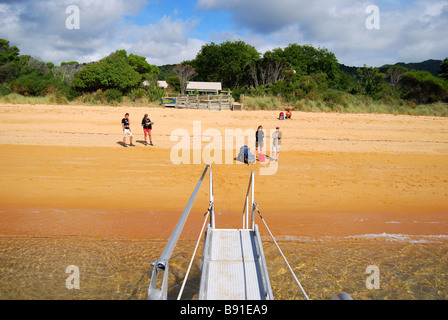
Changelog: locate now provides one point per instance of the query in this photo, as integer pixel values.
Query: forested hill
(166, 71)
(432, 66)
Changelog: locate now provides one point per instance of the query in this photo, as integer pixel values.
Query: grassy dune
(345, 103)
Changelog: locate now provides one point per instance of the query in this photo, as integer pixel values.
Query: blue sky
(168, 32)
(185, 10)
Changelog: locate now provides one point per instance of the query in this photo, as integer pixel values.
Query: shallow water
(119, 269)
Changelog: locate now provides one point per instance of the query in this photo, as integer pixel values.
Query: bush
(114, 96)
(37, 85)
(70, 93)
(112, 72)
(137, 94)
(15, 98)
(335, 97)
(262, 103)
(30, 84)
(57, 98)
(97, 98)
(423, 87)
(4, 90)
(88, 98)
(237, 92)
(154, 93)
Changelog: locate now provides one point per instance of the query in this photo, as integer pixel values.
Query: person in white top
(276, 143)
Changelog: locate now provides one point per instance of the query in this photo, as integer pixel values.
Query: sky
(169, 32)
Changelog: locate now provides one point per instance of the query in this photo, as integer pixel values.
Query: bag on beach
(245, 155)
(281, 116)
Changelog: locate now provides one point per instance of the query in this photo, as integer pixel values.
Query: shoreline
(141, 226)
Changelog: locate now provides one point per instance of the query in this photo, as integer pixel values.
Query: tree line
(292, 74)
(303, 71)
(106, 80)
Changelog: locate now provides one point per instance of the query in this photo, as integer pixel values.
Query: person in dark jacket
(259, 140)
(147, 128)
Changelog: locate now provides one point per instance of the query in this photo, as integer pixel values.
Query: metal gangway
(233, 263)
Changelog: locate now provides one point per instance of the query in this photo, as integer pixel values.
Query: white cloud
(423, 34)
(267, 16)
(165, 42)
(409, 31)
(38, 28)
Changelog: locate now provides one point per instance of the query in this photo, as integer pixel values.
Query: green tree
(166, 71)
(30, 76)
(112, 72)
(228, 62)
(29, 65)
(66, 71)
(444, 69)
(371, 81)
(7, 53)
(423, 87)
(270, 69)
(306, 60)
(8, 61)
(174, 81)
(139, 64)
(395, 74)
(35, 84)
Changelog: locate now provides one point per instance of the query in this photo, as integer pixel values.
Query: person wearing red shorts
(147, 127)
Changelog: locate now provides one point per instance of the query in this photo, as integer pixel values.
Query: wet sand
(350, 191)
(137, 193)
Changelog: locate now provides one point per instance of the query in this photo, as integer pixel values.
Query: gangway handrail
(193, 255)
(281, 252)
(212, 200)
(162, 263)
(247, 207)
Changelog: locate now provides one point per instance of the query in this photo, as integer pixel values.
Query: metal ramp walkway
(233, 264)
(233, 267)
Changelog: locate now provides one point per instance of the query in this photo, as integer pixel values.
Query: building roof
(196, 86)
(162, 84)
(204, 86)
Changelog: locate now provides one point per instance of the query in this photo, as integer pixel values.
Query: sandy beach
(64, 173)
(349, 191)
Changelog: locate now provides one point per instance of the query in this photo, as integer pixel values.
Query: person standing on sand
(147, 127)
(125, 124)
(259, 140)
(276, 142)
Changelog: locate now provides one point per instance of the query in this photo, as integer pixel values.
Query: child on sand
(147, 127)
(125, 124)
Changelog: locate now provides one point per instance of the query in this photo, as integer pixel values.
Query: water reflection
(34, 268)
